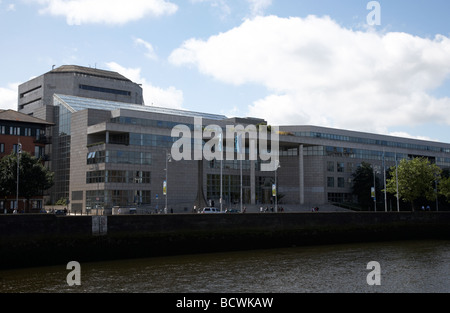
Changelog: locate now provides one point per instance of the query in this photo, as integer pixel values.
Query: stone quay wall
(47, 239)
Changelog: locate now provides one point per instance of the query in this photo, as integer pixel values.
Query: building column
(301, 175)
(107, 137)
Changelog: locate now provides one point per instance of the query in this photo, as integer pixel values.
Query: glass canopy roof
(79, 103)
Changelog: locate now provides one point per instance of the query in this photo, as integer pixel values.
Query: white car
(211, 210)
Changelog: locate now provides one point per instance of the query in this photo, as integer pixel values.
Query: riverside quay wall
(46, 239)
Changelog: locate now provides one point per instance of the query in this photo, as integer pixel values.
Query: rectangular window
(14, 131)
(28, 92)
(96, 157)
(140, 177)
(95, 177)
(105, 90)
(330, 182)
(341, 182)
(330, 166)
(340, 167)
(349, 167)
(2, 148)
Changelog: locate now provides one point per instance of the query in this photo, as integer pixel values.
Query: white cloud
(153, 95)
(8, 97)
(151, 54)
(79, 12)
(318, 72)
(258, 7)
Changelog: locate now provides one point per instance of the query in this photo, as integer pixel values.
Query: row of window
(354, 153)
(341, 182)
(119, 157)
(341, 167)
(113, 176)
(147, 123)
(231, 188)
(369, 141)
(21, 131)
(110, 198)
(363, 154)
(233, 164)
(105, 90)
(28, 92)
(39, 151)
(146, 140)
(369, 155)
(340, 197)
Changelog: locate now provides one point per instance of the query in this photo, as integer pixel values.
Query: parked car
(210, 210)
(232, 211)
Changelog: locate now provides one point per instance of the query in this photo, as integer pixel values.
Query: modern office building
(116, 152)
(120, 156)
(32, 135)
(331, 156)
(36, 99)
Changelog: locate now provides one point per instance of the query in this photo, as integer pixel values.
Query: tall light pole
(19, 154)
(277, 166)
(241, 185)
(437, 194)
(374, 187)
(168, 159)
(240, 154)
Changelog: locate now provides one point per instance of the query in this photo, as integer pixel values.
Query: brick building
(31, 133)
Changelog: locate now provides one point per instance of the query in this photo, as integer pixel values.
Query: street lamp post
(277, 166)
(374, 187)
(168, 159)
(437, 194)
(241, 184)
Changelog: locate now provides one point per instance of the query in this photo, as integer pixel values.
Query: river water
(404, 267)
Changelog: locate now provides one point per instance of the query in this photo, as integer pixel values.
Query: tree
(34, 178)
(444, 187)
(363, 183)
(444, 190)
(416, 180)
(8, 174)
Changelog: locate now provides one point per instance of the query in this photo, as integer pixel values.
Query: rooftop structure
(37, 93)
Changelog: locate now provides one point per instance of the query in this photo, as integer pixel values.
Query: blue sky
(290, 62)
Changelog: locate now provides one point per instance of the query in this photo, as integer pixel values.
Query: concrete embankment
(40, 240)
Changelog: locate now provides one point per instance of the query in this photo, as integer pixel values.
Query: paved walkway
(294, 208)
